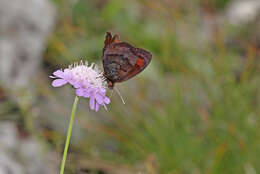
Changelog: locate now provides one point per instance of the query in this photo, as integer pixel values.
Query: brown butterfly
(122, 61)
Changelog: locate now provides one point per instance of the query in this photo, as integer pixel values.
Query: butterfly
(122, 61)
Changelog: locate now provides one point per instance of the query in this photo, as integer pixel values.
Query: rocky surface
(243, 11)
(23, 155)
(24, 27)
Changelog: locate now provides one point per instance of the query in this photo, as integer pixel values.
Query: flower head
(88, 81)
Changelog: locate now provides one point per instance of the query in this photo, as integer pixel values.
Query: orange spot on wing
(140, 62)
(114, 41)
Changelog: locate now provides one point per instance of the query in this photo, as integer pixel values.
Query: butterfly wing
(122, 61)
(139, 62)
(109, 39)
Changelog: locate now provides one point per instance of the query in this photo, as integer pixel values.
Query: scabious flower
(88, 81)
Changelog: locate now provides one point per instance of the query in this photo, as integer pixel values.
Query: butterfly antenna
(119, 95)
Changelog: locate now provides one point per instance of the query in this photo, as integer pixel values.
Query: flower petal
(92, 102)
(88, 92)
(59, 73)
(76, 84)
(103, 91)
(80, 92)
(58, 82)
(53, 77)
(66, 70)
(106, 100)
(97, 106)
(99, 98)
(68, 75)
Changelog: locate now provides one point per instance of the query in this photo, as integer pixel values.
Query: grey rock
(243, 11)
(8, 165)
(19, 155)
(24, 26)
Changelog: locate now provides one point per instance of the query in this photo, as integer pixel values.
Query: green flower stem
(69, 134)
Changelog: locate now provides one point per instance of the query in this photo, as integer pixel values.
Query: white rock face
(24, 26)
(243, 11)
(23, 155)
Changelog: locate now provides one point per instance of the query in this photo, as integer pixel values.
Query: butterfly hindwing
(142, 58)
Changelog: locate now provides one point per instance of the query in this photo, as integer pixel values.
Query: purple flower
(88, 81)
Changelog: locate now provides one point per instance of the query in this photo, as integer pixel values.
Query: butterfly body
(122, 61)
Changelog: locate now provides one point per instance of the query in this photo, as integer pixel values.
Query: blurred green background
(194, 110)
